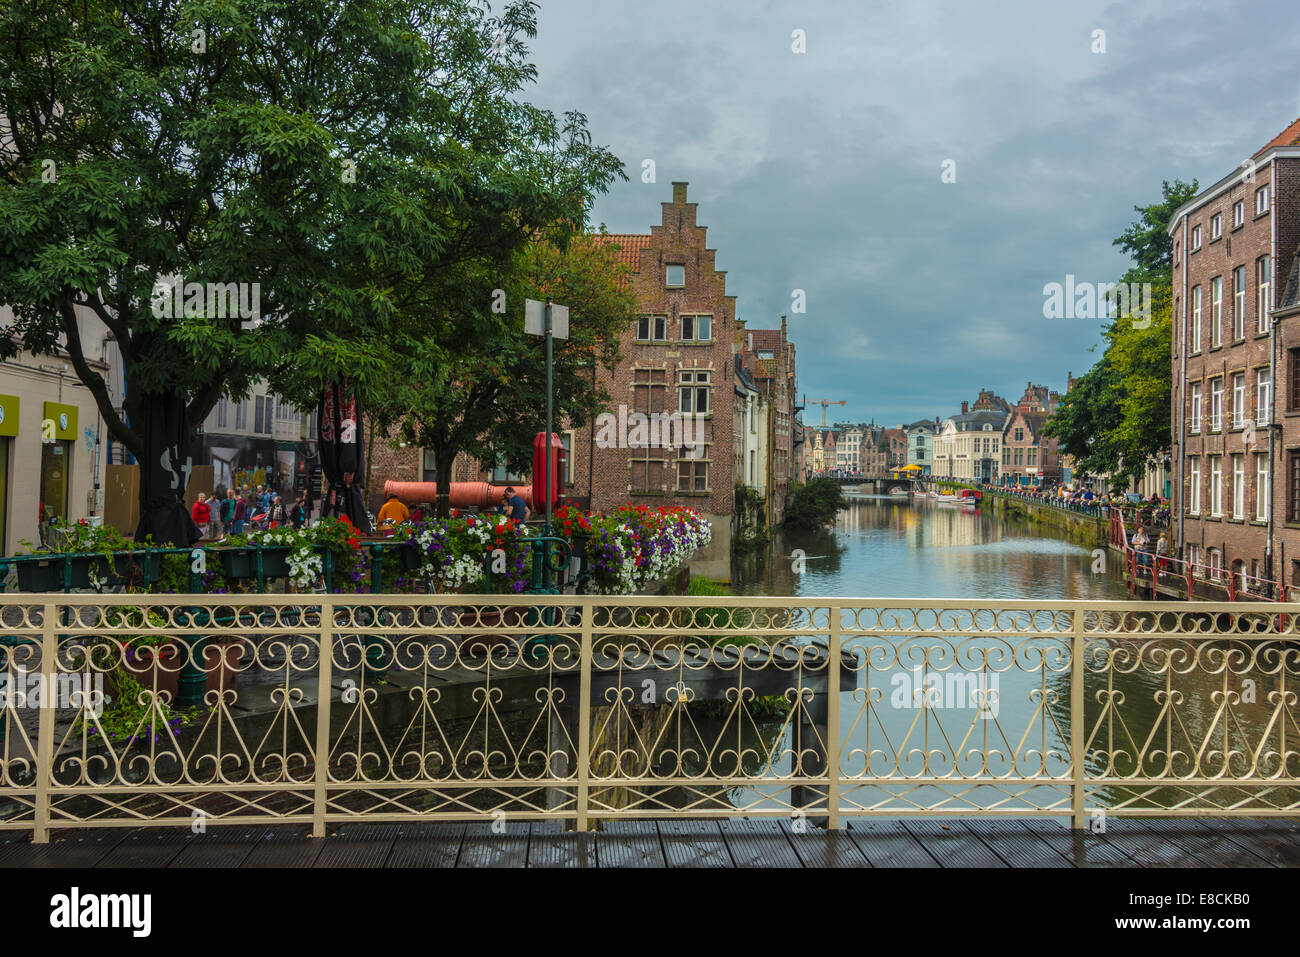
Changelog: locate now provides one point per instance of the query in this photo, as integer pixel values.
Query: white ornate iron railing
(323, 709)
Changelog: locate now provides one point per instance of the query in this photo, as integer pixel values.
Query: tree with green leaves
(1116, 418)
(475, 381)
(321, 153)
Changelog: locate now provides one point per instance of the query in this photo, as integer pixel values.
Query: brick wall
(1232, 539)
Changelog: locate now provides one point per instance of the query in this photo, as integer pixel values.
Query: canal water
(886, 547)
(892, 548)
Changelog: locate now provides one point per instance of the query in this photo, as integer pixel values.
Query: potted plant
(240, 559)
(91, 556)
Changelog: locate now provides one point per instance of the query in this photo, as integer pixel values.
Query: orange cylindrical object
(463, 494)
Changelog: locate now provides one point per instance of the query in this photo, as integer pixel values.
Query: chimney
(965, 407)
(679, 193)
(751, 342)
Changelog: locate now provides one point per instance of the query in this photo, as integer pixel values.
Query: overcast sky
(822, 171)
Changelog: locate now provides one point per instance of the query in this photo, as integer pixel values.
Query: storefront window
(56, 459)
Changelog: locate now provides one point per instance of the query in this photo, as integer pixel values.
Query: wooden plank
(758, 842)
(817, 847)
(1078, 847)
(630, 843)
(1276, 845)
(148, 847)
(689, 842)
(507, 846)
(79, 848)
(358, 845)
(891, 844)
(285, 846)
(1017, 846)
(220, 847)
(1146, 847)
(427, 844)
(1208, 846)
(549, 845)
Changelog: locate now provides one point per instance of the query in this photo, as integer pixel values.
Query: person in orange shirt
(393, 512)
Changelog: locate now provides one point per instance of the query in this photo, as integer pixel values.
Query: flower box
(48, 574)
(412, 557)
(242, 562)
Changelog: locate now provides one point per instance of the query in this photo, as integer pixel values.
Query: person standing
(228, 509)
(240, 513)
(201, 513)
(298, 514)
(1140, 542)
(215, 529)
(276, 515)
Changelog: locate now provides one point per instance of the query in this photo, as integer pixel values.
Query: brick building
(1030, 458)
(1234, 512)
(768, 357)
(677, 360)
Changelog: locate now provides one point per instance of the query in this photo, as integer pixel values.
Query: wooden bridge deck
(930, 843)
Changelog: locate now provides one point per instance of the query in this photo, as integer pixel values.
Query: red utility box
(547, 471)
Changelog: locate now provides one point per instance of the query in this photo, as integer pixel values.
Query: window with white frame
(697, 328)
(693, 391)
(1216, 486)
(1263, 487)
(1216, 405)
(1263, 283)
(1261, 200)
(1216, 312)
(1196, 238)
(1263, 396)
(1238, 213)
(1196, 407)
(1194, 337)
(1194, 493)
(1216, 225)
(1239, 302)
(1238, 399)
(675, 276)
(1238, 486)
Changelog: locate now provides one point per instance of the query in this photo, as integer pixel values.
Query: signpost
(552, 321)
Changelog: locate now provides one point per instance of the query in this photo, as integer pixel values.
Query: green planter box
(242, 562)
(47, 574)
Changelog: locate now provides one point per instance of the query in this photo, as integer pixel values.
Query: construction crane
(823, 403)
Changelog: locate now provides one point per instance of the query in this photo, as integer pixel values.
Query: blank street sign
(535, 319)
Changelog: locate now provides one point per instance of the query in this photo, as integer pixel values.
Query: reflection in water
(885, 547)
(1135, 711)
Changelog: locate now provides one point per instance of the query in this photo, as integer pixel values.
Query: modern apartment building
(1236, 448)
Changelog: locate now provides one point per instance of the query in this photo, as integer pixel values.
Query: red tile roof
(629, 247)
(1288, 137)
(766, 338)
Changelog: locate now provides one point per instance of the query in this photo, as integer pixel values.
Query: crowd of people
(235, 511)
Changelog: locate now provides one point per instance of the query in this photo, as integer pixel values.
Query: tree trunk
(444, 456)
(165, 469)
